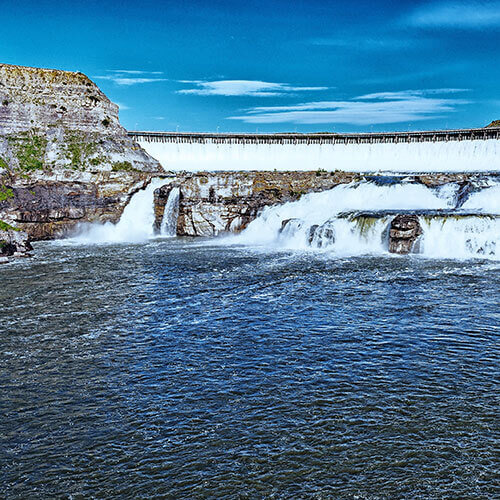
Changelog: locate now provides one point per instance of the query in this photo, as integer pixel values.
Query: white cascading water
(329, 220)
(170, 214)
(317, 208)
(453, 156)
(460, 238)
(487, 200)
(134, 226)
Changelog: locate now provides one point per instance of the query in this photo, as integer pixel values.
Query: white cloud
(253, 88)
(127, 81)
(127, 77)
(472, 14)
(383, 43)
(371, 109)
(408, 94)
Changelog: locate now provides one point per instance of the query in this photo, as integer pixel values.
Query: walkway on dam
(318, 138)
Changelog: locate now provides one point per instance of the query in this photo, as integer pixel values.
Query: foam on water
(317, 208)
(452, 156)
(486, 200)
(329, 221)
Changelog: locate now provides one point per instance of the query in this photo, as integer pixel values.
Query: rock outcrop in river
(64, 157)
(13, 243)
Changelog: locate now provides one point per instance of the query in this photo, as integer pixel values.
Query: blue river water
(188, 369)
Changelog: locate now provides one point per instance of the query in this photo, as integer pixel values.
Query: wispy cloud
(472, 14)
(370, 109)
(410, 94)
(253, 88)
(127, 77)
(134, 72)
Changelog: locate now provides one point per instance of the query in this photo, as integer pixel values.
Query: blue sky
(268, 66)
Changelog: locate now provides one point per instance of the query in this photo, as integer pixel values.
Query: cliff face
(212, 203)
(64, 157)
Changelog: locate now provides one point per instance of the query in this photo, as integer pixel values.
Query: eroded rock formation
(64, 157)
(403, 233)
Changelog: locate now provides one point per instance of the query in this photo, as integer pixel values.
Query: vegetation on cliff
(494, 124)
(5, 193)
(123, 166)
(81, 149)
(7, 227)
(29, 148)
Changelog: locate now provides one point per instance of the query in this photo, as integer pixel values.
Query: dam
(465, 150)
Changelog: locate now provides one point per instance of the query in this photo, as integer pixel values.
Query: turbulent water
(135, 224)
(185, 369)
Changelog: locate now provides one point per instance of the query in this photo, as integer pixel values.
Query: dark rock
(404, 232)
(14, 243)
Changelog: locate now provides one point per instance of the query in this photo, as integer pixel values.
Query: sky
(272, 66)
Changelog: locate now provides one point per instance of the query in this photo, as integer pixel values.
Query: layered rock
(403, 234)
(64, 157)
(212, 203)
(215, 202)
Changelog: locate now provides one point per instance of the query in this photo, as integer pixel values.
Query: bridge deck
(321, 138)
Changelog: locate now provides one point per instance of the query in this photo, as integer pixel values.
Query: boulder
(403, 234)
(13, 243)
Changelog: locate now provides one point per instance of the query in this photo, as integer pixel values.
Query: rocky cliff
(216, 202)
(64, 157)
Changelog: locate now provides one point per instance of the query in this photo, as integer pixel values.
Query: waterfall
(486, 200)
(453, 156)
(135, 224)
(317, 208)
(337, 221)
(341, 235)
(461, 237)
(171, 213)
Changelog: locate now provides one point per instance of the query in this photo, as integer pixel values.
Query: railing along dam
(319, 138)
(424, 151)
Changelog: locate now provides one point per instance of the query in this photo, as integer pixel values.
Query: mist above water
(136, 224)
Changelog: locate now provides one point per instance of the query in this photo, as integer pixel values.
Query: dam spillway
(424, 151)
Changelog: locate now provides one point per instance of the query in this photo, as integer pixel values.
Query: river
(181, 368)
